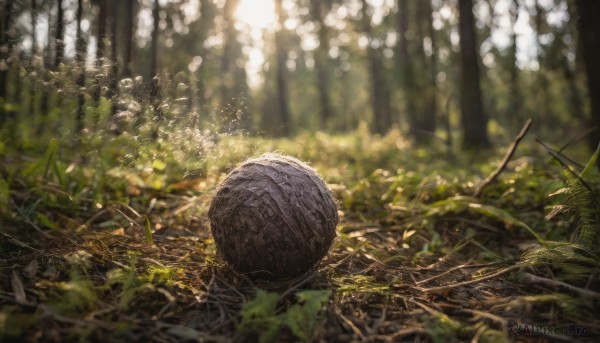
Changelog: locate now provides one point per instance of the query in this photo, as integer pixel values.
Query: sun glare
(256, 13)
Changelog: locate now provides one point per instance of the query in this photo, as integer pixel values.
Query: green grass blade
(49, 156)
(148, 231)
(591, 163)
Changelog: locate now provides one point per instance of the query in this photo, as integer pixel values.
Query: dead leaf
(31, 269)
(18, 289)
(119, 232)
(51, 273)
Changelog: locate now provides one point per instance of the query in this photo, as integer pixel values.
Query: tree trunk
(129, 37)
(33, 31)
(474, 120)
(80, 48)
(206, 17)
(320, 9)
(153, 72)
(282, 92)
(428, 12)
(101, 36)
(32, 110)
(233, 83)
(226, 73)
(5, 51)
(543, 99)
(380, 93)
(404, 62)
(588, 24)
(423, 93)
(114, 70)
(515, 108)
(573, 93)
(60, 33)
(44, 101)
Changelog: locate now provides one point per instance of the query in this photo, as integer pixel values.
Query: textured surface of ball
(273, 216)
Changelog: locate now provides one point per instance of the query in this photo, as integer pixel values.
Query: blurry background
(460, 71)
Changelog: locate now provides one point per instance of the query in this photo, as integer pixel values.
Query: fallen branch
(560, 157)
(581, 136)
(442, 289)
(17, 242)
(531, 278)
(350, 324)
(420, 282)
(33, 225)
(502, 321)
(507, 157)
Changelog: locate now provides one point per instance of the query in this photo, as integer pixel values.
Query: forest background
(301, 65)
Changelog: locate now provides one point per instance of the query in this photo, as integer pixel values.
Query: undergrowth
(105, 238)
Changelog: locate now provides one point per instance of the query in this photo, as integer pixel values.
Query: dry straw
(273, 216)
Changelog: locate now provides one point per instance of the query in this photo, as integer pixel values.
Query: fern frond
(574, 260)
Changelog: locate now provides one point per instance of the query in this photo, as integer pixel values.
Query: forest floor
(110, 242)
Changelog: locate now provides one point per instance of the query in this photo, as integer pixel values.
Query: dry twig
(531, 278)
(507, 157)
(441, 289)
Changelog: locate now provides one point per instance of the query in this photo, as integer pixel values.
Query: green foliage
(4, 194)
(133, 283)
(260, 315)
(73, 296)
(442, 328)
(148, 231)
(302, 317)
(578, 199)
(15, 324)
(352, 284)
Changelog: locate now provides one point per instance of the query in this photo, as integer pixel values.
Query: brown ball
(273, 216)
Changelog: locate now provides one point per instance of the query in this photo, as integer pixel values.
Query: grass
(106, 239)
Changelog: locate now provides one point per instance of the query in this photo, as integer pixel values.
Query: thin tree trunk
(406, 70)
(44, 102)
(33, 30)
(320, 8)
(60, 33)
(114, 70)
(235, 114)
(543, 98)
(129, 37)
(380, 94)
(573, 93)
(282, 92)
(515, 108)
(474, 119)
(80, 47)
(588, 24)
(227, 78)
(101, 36)
(32, 110)
(4, 41)
(59, 47)
(205, 18)
(433, 65)
(153, 73)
